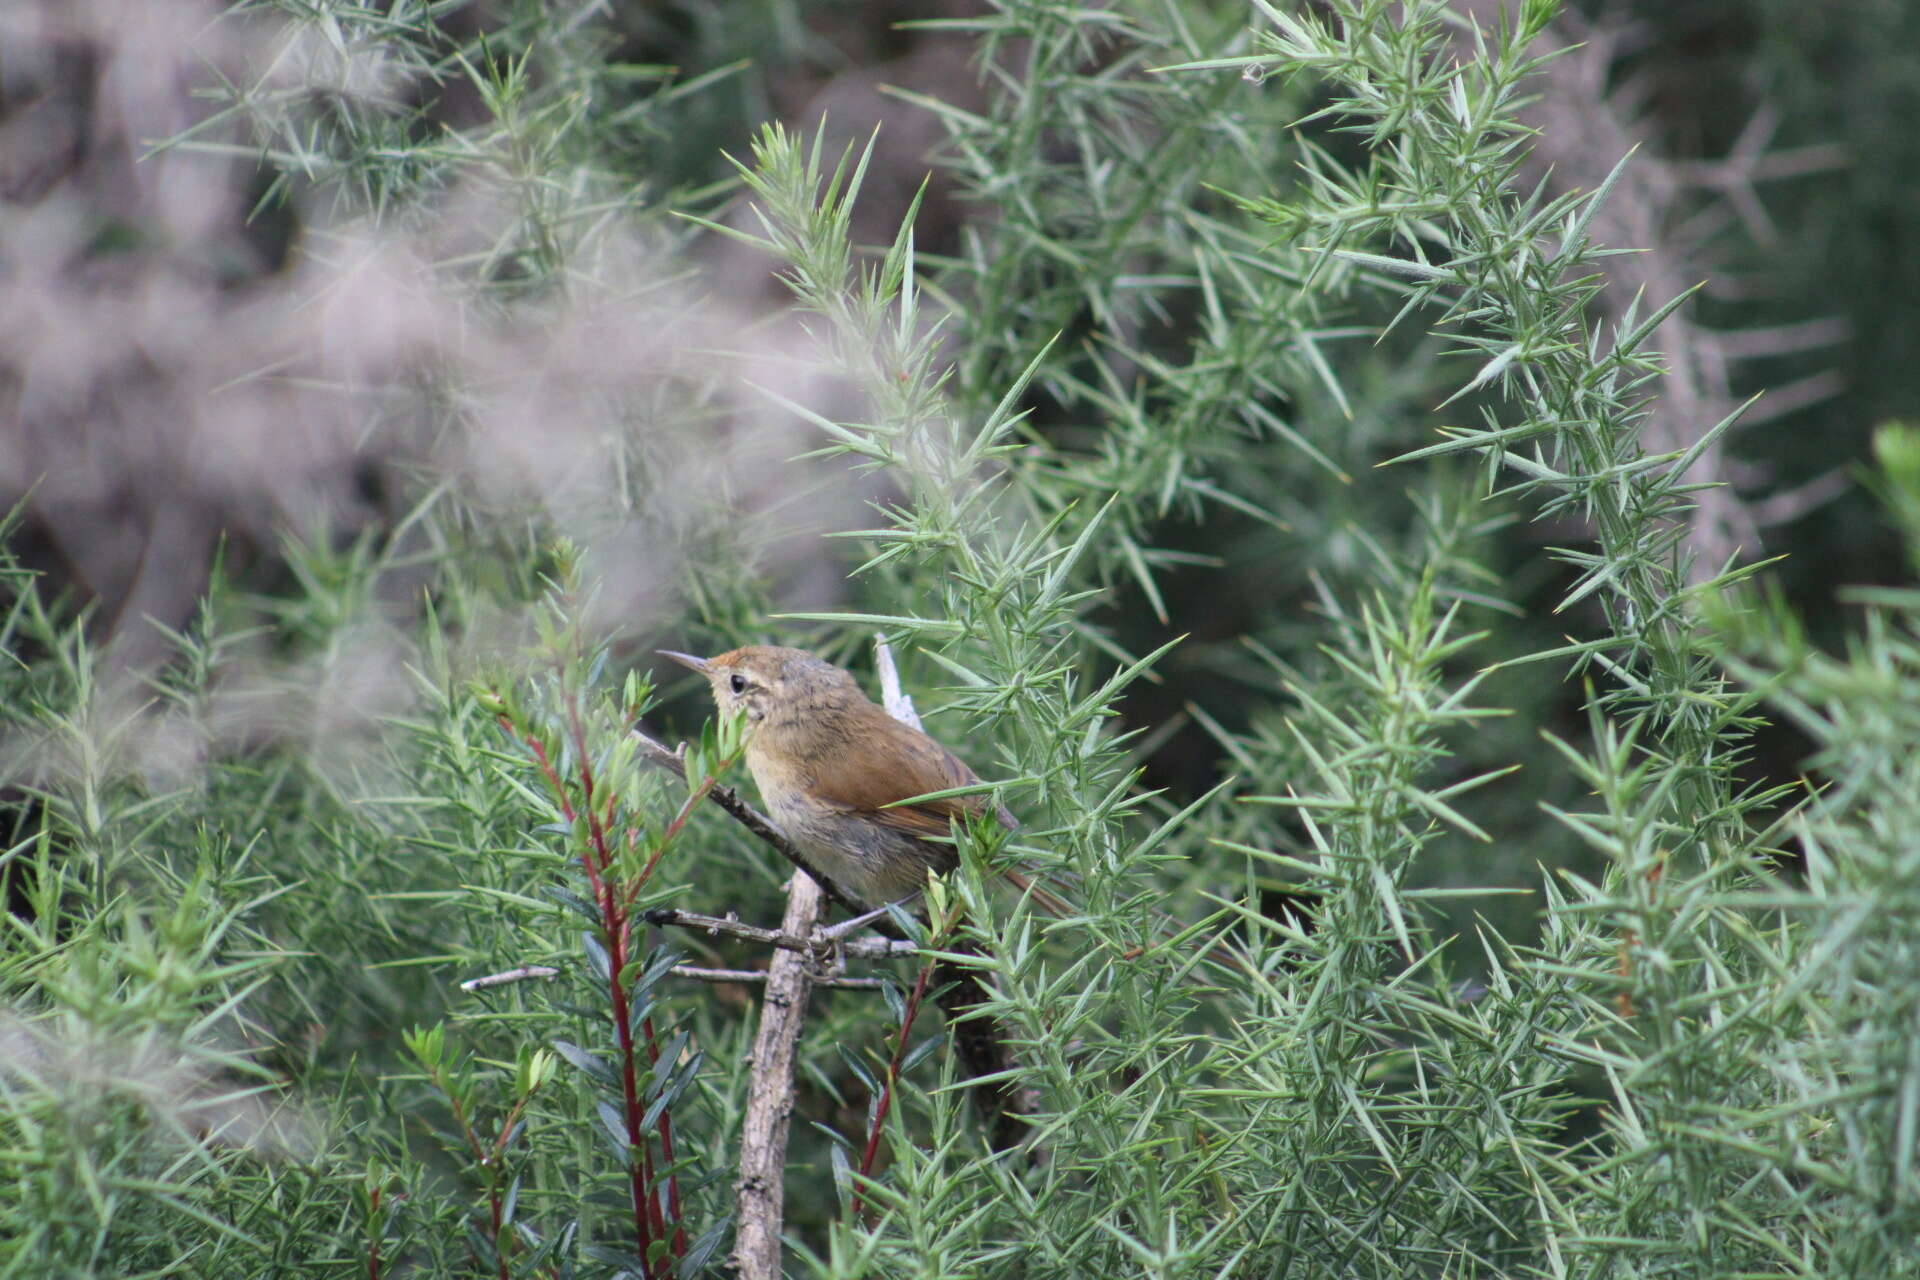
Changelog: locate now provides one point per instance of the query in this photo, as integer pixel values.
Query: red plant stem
(373, 1245)
(665, 1124)
(546, 768)
(640, 1174)
(506, 1128)
(578, 731)
(655, 1220)
(499, 1247)
(893, 1074)
(655, 1214)
(597, 860)
(490, 1161)
(496, 1165)
(650, 1221)
(596, 829)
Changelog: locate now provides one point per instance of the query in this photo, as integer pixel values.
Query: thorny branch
(1584, 126)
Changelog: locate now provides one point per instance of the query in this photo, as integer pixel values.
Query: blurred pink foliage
(175, 378)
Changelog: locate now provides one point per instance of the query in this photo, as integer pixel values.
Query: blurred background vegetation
(352, 352)
(1757, 188)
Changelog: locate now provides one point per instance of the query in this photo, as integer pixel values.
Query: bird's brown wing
(898, 762)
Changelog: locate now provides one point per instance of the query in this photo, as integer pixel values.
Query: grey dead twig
(816, 942)
(754, 977)
(760, 1189)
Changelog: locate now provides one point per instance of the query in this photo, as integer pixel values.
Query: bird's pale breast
(861, 857)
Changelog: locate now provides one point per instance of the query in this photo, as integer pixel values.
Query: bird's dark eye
(738, 682)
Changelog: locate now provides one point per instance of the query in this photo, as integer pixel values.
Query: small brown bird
(832, 768)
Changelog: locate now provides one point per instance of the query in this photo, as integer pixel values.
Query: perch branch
(814, 942)
(756, 976)
(760, 1192)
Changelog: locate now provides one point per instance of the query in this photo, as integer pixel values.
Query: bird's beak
(685, 659)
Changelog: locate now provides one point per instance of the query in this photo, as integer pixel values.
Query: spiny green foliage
(235, 1037)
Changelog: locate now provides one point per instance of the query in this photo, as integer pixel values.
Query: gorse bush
(1539, 979)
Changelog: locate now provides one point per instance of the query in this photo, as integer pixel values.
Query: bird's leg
(841, 930)
(834, 938)
(829, 950)
(847, 927)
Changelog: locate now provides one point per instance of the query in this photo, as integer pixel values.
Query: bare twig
(1791, 504)
(757, 976)
(812, 943)
(511, 975)
(759, 1192)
